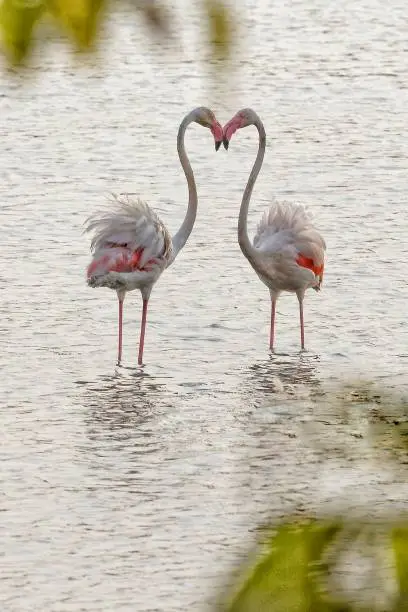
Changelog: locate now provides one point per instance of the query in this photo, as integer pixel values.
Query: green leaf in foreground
(17, 21)
(82, 20)
(288, 575)
(292, 574)
(399, 537)
(79, 18)
(219, 23)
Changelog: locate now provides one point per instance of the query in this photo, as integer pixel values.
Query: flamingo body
(289, 249)
(287, 252)
(131, 247)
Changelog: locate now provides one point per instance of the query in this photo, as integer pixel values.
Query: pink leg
(142, 332)
(272, 334)
(120, 331)
(302, 327)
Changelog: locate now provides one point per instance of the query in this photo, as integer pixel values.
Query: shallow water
(127, 489)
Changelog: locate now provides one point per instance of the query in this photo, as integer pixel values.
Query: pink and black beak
(229, 128)
(217, 132)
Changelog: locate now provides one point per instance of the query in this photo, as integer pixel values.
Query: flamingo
(287, 252)
(131, 246)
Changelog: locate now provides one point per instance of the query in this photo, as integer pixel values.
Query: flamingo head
(242, 119)
(205, 117)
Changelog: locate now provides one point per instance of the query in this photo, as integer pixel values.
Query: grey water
(137, 489)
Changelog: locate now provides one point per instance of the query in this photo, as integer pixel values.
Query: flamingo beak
(230, 128)
(217, 132)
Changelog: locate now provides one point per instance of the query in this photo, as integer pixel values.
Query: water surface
(126, 489)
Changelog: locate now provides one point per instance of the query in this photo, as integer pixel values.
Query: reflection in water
(283, 373)
(282, 390)
(120, 406)
(159, 477)
(123, 423)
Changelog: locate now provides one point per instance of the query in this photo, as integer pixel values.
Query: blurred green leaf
(17, 21)
(292, 573)
(289, 576)
(79, 18)
(399, 536)
(220, 28)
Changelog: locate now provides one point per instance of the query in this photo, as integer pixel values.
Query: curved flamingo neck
(243, 238)
(181, 236)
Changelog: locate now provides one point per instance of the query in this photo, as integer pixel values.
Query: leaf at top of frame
(79, 18)
(17, 21)
(220, 28)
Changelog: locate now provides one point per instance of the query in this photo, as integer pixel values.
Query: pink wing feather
(128, 239)
(287, 227)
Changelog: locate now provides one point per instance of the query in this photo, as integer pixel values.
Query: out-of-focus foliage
(385, 415)
(82, 20)
(295, 569)
(220, 34)
(338, 563)
(287, 576)
(79, 18)
(17, 20)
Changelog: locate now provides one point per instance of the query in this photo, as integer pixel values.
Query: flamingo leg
(272, 334)
(302, 327)
(120, 330)
(142, 332)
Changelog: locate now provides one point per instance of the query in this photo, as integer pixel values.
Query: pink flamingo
(287, 252)
(131, 246)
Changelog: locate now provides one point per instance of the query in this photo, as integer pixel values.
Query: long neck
(243, 238)
(181, 236)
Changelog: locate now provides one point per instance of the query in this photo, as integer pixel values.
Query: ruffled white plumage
(284, 237)
(129, 227)
(133, 223)
(286, 227)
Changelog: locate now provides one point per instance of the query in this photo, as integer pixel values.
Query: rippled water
(126, 489)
